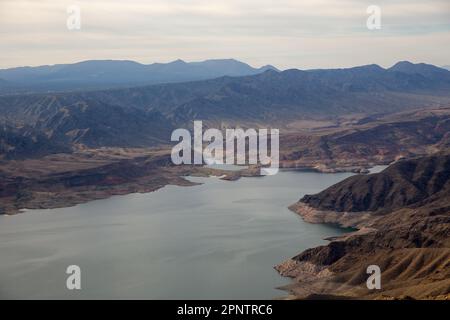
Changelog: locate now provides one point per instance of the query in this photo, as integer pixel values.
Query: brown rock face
(404, 183)
(358, 143)
(407, 234)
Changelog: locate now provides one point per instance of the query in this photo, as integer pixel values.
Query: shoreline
(56, 190)
(310, 275)
(407, 239)
(269, 279)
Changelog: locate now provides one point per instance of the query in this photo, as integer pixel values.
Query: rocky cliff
(403, 216)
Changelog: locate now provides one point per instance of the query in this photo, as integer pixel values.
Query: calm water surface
(217, 240)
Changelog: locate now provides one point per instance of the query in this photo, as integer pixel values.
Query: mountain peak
(369, 67)
(423, 69)
(403, 63)
(269, 67)
(177, 62)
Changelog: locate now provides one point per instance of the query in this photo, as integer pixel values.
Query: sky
(302, 34)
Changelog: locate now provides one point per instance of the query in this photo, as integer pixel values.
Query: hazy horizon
(287, 34)
(198, 61)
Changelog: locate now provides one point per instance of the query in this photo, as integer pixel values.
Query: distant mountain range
(97, 74)
(143, 116)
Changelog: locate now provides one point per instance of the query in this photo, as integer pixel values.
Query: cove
(217, 240)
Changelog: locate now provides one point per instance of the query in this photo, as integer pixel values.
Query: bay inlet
(217, 240)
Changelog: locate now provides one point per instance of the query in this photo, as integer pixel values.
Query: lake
(217, 240)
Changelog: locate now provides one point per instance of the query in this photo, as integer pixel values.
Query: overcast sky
(286, 33)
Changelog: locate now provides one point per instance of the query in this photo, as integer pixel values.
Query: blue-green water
(220, 239)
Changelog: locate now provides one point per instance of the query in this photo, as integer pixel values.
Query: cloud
(289, 33)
